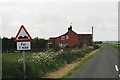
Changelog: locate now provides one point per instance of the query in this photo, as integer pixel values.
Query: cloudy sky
(46, 19)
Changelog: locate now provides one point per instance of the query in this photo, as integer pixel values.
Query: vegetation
(98, 42)
(9, 46)
(38, 64)
(116, 45)
(85, 60)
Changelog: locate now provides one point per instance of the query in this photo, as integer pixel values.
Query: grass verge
(69, 69)
(81, 63)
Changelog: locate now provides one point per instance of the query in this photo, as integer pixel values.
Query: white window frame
(60, 44)
(67, 37)
(62, 37)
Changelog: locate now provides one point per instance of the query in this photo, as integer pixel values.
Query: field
(116, 45)
(38, 64)
(14, 56)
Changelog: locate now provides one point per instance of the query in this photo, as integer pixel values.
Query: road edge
(80, 64)
(77, 64)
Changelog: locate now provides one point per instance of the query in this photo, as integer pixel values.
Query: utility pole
(92, 35)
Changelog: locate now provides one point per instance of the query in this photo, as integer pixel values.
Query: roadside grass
(67, 70)
(11, 56)
(80, 64)
(38, 64)
(116, 45)
(99, 44)
(83, 62)
(15, 56)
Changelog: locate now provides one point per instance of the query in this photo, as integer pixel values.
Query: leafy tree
(39, 44)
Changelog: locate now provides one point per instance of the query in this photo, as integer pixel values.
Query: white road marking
(116, 67)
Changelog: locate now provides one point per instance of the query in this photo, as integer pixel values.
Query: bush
(95, 46)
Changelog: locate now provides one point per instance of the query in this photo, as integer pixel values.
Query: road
(103, 65)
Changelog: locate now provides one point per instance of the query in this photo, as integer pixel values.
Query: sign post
(23, 43)
(24, 65)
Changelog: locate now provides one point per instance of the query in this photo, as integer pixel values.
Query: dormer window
(62, 37)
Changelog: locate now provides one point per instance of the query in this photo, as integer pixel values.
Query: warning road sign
(22, 35)
(24, 44)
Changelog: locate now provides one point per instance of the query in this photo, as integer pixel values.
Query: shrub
(95, 46)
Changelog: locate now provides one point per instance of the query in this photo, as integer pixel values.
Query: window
(67, 37)
(62, 37)
(62, 45)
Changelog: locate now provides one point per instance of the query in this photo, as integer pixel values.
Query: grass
(68, 69)
(80, 64)
(83, 62)
(116, 45)
(11, 56)
(14, 56)
(38, 64)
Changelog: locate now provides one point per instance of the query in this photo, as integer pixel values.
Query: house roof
(83, 37)
(63, 34)
(70, 30)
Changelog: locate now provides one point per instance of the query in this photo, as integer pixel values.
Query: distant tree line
(98, 42)
(37, 44)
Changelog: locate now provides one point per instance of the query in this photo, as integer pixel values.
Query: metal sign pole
(92, 36)
(24, 65)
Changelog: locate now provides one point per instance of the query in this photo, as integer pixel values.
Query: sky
(52, 18)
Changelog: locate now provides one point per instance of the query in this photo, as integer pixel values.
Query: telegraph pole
(92, 35)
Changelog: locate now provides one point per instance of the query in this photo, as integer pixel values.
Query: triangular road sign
(22, 35)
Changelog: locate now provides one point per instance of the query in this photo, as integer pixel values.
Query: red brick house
(71, 39)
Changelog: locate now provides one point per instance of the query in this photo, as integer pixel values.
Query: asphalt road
(102, 65)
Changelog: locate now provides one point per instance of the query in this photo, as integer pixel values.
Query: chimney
(70, 28)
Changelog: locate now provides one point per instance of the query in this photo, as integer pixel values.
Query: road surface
(103, 65)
